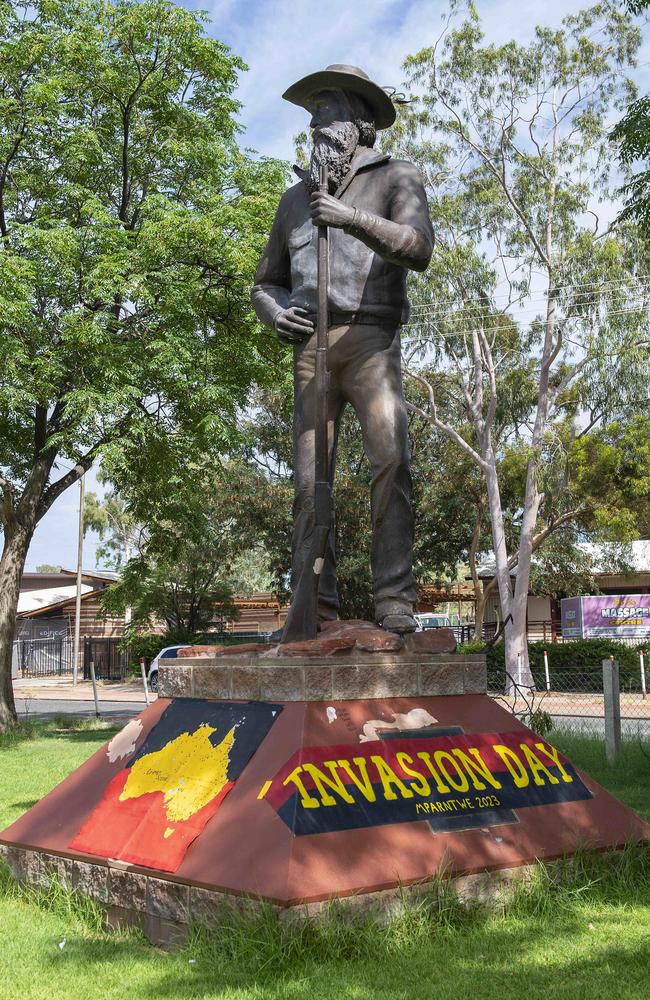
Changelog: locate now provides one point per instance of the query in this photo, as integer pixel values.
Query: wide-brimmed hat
(350, 78)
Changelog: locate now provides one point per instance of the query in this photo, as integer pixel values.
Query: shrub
(149, 644)
(471, 647)
(573, 666)
(496, 664)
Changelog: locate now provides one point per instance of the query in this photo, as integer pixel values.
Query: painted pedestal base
(286, 836)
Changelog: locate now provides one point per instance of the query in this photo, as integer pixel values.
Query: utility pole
(80, 552)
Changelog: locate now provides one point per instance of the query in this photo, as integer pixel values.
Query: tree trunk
(480, 596)
(19, 521)
(12, 562)
(518, 673)
(498, 534)
(518, 666)
(479, 613)
(514, 633)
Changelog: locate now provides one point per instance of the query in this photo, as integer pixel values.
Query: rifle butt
(302, 619)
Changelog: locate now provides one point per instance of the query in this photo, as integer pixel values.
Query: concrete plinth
(323, 678)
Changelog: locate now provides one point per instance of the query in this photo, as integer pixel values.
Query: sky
(281, 41)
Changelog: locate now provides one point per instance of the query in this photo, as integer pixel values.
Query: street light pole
(80, 552)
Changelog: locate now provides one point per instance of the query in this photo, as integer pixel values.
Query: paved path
(45, 697)
(61, 688)
(583, 703)
(48, 708)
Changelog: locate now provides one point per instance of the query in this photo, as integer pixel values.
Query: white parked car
(168, 653)
(426, 621)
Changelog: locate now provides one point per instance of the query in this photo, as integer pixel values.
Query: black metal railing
(110, 659)
(44, 657)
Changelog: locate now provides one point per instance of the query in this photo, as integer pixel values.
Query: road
(46, 708)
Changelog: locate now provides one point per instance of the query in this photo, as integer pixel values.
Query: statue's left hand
(329, 211)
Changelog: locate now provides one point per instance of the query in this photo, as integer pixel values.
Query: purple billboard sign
(609, 616)
(571, 611)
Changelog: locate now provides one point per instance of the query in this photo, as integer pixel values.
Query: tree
(180, 575)
(599, 476)
(190, 545)
(458, 503)
(48, 568)
(249, 572)
(636, 6)
(130, 225)
(512, 143)
(118, 530)
(202, 540)
(566, 567)
(632, 134)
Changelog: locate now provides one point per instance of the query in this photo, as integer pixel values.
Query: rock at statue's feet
(401, 622)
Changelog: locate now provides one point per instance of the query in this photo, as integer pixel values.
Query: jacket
(368, 261)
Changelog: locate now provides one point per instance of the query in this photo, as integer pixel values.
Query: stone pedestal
(323, 678)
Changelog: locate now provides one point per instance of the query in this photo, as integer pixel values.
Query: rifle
(302, 620)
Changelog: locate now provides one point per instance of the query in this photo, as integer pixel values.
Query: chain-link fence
(567, 689)
(573, 699)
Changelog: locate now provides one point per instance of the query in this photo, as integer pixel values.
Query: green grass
(36, 757)
(583, 936)
(628, 779)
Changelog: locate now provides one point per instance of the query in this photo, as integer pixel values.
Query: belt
(355, 318)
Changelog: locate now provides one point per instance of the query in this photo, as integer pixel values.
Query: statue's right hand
(292, 325)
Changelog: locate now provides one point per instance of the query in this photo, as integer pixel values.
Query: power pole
(80, 552)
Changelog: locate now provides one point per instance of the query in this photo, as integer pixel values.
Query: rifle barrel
(302, 620)
(320, 416)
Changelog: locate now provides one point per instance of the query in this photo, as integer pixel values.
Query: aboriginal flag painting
(160, 802)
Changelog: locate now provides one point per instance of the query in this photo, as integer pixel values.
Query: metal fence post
(612, 697)
(94, 682)
(642, 665)
(143, 671)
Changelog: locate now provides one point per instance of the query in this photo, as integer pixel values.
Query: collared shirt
(368, 261)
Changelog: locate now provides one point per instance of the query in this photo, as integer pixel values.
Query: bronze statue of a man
(379, 223)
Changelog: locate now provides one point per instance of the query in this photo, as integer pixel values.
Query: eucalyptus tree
(632, 135)
(130, 223)
(529, 281)
(119, 531)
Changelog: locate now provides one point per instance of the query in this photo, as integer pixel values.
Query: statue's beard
(335, 148)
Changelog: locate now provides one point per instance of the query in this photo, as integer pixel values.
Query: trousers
(364, 363)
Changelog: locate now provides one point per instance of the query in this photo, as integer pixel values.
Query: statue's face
(335, 137)
(329, 109)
